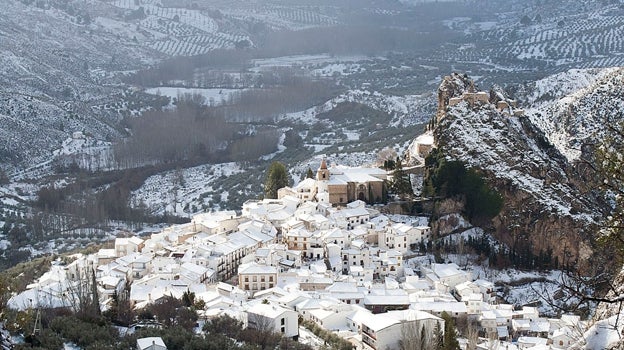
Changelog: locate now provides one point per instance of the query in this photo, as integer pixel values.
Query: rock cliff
(547, 206)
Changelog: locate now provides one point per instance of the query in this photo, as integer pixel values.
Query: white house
(403, 237)
(384, 331)
(151, 343)
(563, 337)
(216, 222)
(253, 277)
(448, 275)
(275, 318)
(125, 246)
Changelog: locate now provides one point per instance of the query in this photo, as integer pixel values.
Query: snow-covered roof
(377, 322)
(144, 343)
(267, 310)
(386, 300)
(446, 270)
(253, 268)
(194, 268)
(306, 184)
(439, 306)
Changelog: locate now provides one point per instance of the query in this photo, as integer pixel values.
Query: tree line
(451, 179)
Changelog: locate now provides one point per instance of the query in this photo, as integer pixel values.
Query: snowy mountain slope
(576, 116)
(544, 205)
(405, 110)
(47, 86)
(184, 192)
(532, 38)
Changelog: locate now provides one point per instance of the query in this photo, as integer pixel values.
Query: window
(254, 278)
(246, 278)
(283, 321)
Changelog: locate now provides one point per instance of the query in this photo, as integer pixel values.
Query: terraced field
(586, 39)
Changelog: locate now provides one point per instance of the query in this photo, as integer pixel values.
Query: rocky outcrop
(453, 85)
(544, 208)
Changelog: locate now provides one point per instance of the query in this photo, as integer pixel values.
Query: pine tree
(438, 338)
(309, 174)
(277, 177)
(450, 333)
(95, 302)
(401, 183)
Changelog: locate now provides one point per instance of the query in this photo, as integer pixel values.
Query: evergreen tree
(277, 177)
(96, 310)
(309, 174)
(450, 333)
(188, 298)
(438, 338)
(401, 183)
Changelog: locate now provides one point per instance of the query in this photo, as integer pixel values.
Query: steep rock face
(543, 208)
(572, 120)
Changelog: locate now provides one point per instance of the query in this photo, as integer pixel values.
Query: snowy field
(330, 63)
(184, 192)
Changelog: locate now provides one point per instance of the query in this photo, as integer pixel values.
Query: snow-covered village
(309, 257)
(311, 174)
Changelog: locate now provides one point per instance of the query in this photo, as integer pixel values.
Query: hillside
(576, 118)
(547, 205)
(59, 74)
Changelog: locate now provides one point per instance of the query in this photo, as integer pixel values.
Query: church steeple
(322, 174)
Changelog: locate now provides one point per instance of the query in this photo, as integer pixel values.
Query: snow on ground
(552, 97)
(280, 148)
(337, 69)
(352, 135)
(405, 110)
(213, 96)
(333, 62)
(4, 244)
(183, 192)
(307, 337)
(605, 333)
(409, 220)
(119, 28)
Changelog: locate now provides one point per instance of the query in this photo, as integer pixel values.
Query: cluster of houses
(349, 269)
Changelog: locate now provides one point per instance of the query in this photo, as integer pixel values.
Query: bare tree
(261, 331)
(82, 294)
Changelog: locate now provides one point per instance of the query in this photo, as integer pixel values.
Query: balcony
(368, 341)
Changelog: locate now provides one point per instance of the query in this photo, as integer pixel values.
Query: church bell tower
(322, 174)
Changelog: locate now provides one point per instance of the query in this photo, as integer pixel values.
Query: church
(339, 185)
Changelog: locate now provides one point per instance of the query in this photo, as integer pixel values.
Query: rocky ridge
(546, 207)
